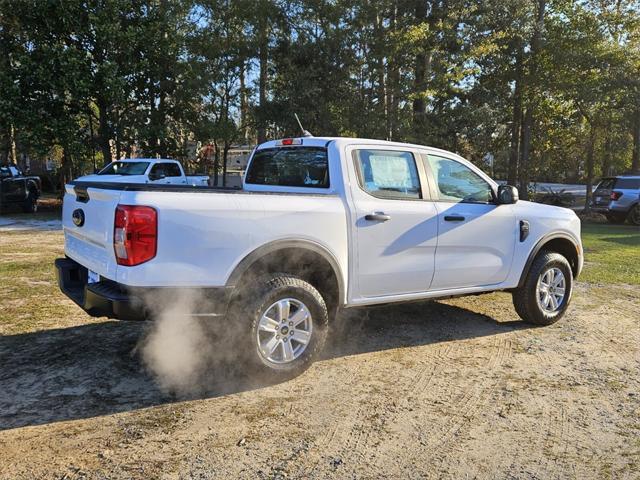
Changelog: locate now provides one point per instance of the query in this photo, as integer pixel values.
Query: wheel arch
(304, 258)
(559, 242)
(32, 186)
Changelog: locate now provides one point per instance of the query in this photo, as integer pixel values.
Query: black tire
(31, 203)
(634, 215)
(615, 217)
(525, 298)
(247, 310)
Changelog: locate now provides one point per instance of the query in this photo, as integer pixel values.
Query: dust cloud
(182, 350)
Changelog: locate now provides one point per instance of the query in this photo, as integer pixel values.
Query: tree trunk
(421, 68)
(514, 152)
(527, 125)
(379, 62)
(244, 104)
(263, 53)
(606, 158)
(12, 144)
(525, 151)
(104, 133)
(635, 159)
(225, 155)
(216, 163)
(393, 82)
(590, 151)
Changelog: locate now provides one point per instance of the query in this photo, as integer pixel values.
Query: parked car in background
(18, 189)
(618, 198)
(146, 170)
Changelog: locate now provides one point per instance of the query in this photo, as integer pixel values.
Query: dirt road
(454, 389)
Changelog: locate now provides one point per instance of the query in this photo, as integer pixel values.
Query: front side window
(458, 183)
(388, 174)
(290, 167)
(125, 168)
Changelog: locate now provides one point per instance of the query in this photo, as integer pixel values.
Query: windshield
(124, 168)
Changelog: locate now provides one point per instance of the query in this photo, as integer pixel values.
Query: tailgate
(602, 197)
(87, 221)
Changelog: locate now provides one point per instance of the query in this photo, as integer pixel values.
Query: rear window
(125, 168)
(628, 183)
(606, 184)
(290, 167)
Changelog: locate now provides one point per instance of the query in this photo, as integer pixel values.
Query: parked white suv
(321, 224)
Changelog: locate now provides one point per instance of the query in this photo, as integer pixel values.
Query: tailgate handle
(82, 194)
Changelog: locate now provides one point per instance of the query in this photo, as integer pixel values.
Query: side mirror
(507, 195)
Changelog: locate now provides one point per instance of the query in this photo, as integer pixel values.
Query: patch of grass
(612, 254)
(31, 299)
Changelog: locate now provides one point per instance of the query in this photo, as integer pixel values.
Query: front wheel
(545, 295)
(283, 322)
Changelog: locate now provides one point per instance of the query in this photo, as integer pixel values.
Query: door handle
(453, 218)
(377, 217)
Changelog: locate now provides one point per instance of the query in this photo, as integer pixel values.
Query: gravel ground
(453, 389)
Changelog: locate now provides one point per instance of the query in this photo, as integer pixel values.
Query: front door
(395, 227)
(476, 237)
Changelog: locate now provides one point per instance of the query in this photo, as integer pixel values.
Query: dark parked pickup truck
(18, 189)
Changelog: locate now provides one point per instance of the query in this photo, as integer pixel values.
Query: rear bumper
(610, 208)
(107, 298)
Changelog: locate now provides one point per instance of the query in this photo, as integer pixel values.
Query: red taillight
(135, 234)
(287, 141)
(615, 195)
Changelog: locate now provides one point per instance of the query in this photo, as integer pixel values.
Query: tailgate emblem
(78, 217)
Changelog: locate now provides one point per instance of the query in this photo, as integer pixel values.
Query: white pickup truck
(321, 224)
(145, 170)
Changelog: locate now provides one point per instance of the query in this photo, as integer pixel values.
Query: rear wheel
(634, 215)
(545, 295)
(282, 324)
(30, 205)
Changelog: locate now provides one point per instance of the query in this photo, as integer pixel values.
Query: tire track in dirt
(407, 423)
(353, 440)
(476, 399)
(338, 429)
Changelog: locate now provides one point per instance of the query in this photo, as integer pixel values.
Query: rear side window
(171, 170)
(388, 174)
(290, 167)
(628, 183)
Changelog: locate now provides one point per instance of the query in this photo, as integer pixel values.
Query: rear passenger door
(476, 236)
(394, 224)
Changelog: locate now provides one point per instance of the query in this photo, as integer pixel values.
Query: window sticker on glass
(388, 174)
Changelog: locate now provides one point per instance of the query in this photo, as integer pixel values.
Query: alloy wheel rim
(284, 331)
(551, 290)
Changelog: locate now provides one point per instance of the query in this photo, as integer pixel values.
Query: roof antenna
(305, 133)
